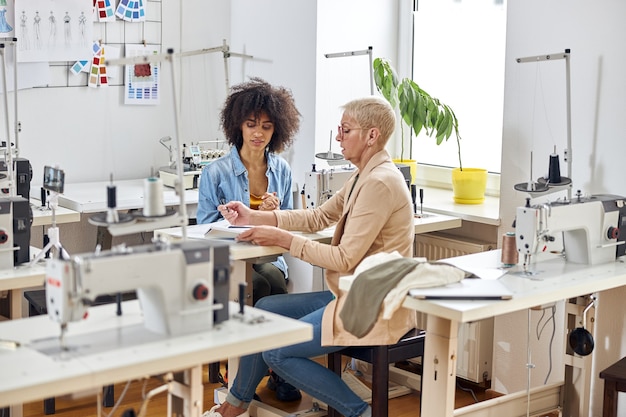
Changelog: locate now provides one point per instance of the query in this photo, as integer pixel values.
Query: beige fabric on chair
(384, 280)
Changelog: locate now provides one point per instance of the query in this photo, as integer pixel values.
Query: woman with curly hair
(259, 121)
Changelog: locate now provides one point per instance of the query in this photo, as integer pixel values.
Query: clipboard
(466, 289)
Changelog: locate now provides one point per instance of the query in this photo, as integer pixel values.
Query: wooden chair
(614, 382)
(411, 345)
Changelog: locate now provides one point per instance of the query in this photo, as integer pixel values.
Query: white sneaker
(214, 413)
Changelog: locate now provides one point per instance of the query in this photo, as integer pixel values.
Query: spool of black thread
(554, 172)
(111, 197)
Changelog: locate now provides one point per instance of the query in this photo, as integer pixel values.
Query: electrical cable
(119, 400)
(471, 391)
(539, 332)
(144, 405)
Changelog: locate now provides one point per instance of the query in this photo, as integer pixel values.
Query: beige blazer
(373, 215)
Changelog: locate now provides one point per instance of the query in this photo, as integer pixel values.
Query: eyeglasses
(341, 131)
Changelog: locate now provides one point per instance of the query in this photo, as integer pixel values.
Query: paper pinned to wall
(103, 10)
(142, 82)
(49, 30)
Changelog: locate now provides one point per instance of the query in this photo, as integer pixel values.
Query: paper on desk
(200, 231)
(225, 226)
(197, 231)
(220, 229)
(479, 271)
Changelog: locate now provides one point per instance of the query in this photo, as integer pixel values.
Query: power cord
(119, 400)
(540, 331)
(471, 391)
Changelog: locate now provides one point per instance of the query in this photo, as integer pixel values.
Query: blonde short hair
(372, 111)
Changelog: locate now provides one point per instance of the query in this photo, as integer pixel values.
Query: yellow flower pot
(412, 163)
(469, 185)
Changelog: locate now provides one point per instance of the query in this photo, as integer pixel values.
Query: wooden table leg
(16, 298)
(439, 364)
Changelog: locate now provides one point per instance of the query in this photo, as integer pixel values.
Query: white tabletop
(441, 201)
(106, 349)
(247, 251)
(42, 216)
(238, 250)
(91, 197)
(22, 276)
(433, 222)
(557, 280)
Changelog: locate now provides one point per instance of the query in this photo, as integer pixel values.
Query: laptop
(466, 289)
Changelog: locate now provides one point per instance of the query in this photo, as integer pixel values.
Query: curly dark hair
(254, 97)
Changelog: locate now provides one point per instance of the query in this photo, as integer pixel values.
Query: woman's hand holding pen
(270, 202)
(235, 212)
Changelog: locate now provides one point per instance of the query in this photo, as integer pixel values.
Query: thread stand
(53, 234)
(111, 216)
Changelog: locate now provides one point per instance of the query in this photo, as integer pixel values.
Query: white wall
(535, 120)
(345, 27)
(91, 134)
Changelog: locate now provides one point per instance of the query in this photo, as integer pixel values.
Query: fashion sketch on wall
(53, 30)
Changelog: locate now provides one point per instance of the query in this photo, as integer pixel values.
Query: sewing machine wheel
(329, 156)
(564, 181)
(100, 219)
(169, 211)
(536, 187)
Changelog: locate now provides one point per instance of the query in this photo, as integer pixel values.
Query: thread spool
(554, 172)
(111, 214)
(153, 197)
(111, 197)
(509, 250)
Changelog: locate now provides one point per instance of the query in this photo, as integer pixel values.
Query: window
(458, 57)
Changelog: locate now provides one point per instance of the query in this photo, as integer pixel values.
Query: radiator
(475, 348)
(435, 246)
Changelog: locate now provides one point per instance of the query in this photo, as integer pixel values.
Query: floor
(403, 406)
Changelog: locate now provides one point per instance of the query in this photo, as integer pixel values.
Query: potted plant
(421, 111)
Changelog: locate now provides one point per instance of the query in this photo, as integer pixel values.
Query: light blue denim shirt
(226, 179)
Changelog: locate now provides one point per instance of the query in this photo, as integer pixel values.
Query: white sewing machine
(590, 227)
(320, 186)
(182, 287)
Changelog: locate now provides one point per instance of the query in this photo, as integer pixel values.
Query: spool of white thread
(153, 197)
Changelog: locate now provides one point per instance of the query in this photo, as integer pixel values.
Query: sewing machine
(15, 219)
(320, 186)
(22, 176)
(191, 177)
(590, 228)
(182, 287)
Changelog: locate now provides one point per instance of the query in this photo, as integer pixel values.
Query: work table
(107, 349)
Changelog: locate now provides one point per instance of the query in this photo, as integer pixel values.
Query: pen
(223, 202)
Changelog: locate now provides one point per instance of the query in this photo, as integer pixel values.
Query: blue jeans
(292, 362)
